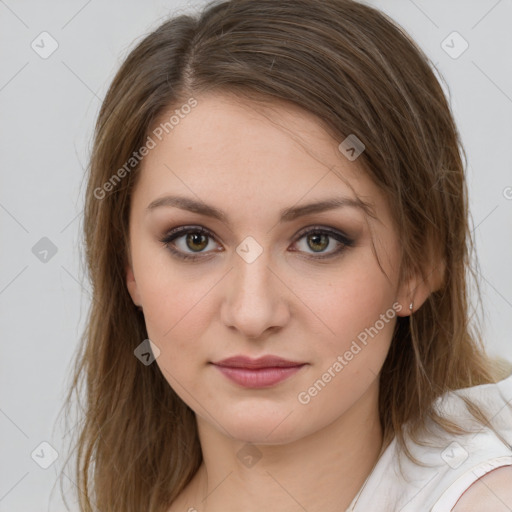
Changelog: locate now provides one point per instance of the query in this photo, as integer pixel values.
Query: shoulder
(493, 491)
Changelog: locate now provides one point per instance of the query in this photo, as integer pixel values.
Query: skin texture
(491, 492)
(252, 163)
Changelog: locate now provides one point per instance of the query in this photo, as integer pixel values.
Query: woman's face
(257, 284)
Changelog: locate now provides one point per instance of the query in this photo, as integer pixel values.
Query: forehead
(256, 155)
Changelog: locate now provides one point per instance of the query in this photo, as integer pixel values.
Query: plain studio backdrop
(58, 58)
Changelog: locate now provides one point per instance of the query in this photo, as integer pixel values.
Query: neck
(320, 472)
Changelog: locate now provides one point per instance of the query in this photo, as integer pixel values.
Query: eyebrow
(286, 215)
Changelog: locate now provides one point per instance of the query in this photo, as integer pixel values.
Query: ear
(131, 284)
(416, 289)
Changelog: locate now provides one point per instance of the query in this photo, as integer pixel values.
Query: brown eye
(190, 243)
(196, 241)
(183, 242)
(318, 242)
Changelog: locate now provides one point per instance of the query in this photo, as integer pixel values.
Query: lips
(262, 372)
(261, 362)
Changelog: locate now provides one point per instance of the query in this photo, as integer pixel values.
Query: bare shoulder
(493, 492)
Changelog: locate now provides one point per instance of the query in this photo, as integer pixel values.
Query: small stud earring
(411, 306)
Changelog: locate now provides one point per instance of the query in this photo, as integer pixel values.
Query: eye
(196, 239)
(193, 238)
(318, 239)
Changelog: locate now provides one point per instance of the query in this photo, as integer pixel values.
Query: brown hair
(359, 73)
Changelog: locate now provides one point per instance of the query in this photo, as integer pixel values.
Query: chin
(264, 425)
(261, 435)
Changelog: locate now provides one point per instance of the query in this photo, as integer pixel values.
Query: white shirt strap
(450, 497)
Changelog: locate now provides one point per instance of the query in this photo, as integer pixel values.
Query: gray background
(48, 107)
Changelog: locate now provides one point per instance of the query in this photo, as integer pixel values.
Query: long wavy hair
(360, 73)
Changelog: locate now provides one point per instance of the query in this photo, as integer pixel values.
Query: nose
(255, 303)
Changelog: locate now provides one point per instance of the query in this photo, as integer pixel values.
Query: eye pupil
(316, 238)
(195, 239)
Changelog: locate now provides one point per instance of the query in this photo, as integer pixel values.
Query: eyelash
(184, 230)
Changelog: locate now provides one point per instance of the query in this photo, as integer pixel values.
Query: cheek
(357, 307)
(172, 295)
(176, 317)
(334, 307)
(175, 309)
(350, 303)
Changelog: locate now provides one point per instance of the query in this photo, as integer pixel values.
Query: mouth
(262, 372)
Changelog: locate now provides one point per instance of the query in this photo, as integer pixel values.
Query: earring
(411, 306)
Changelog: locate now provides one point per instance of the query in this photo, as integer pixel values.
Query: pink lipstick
(263, 372)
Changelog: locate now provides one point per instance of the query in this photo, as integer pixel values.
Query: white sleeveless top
(454, 461)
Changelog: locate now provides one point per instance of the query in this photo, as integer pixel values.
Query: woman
(276, 230)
